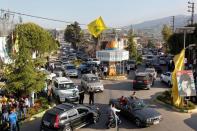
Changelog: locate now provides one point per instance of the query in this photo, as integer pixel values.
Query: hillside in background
(154, 27)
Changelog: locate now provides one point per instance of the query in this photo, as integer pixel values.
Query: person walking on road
(91, 96)
(81, 96)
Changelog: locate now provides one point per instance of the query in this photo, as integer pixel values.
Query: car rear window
(141, 78)
(49, 117)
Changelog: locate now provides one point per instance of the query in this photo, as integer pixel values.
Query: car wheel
(153, 82)
(67, 128)
(137, 122)
(161, 79)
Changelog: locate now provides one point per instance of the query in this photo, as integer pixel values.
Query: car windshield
(66, 86)
(131, 62)
(138, 104)
(149, 57)
(70, 67)
(150, 70)
(93, 79)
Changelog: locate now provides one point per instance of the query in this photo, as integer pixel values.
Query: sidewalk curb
(174, 108)
(36, 116)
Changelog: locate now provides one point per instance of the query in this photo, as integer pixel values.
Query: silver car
(91, 81)
(65, 90)
(70, 70)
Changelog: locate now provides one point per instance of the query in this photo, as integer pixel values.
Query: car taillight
(145, 81)
(56, 125)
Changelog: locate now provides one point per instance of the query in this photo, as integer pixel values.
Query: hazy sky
(116, 13)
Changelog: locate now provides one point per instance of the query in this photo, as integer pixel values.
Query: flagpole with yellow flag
(96, 27)
(179, 65)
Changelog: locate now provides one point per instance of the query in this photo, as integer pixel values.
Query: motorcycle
(111, 123)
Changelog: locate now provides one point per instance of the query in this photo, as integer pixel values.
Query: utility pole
(173, 17)
(191, 9)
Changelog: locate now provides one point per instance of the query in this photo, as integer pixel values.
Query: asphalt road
(113, 89)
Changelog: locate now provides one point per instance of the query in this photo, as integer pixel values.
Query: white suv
(91, 81)
(65, 90)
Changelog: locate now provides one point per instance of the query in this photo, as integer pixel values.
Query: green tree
(73, 34)
(166, 32)
(23, 75)
(150, 44)
(132, 46)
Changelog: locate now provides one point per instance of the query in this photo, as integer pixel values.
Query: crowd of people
(12, 111)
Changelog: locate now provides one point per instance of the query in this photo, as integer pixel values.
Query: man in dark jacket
(91, 96)
(81, 96)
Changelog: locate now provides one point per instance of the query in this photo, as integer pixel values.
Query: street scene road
(114, 89)
(99, 65)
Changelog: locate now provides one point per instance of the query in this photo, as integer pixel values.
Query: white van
(65, 90)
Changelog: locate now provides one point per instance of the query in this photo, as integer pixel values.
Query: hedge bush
(166, 98)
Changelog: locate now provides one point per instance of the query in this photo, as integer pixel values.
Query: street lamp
(185, 30)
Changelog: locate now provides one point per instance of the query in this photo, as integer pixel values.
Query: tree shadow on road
(122, 85)
(191, 122)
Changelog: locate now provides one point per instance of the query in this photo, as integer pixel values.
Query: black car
(157, 68)
(143, 81)
(137, 111)
(67, 117)
(85, 68)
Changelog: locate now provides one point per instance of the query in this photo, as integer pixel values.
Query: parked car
(85, 68)
(94, 61)
(166, 77)
(143, 81)
(67, 117)
(65, 90)
(137, 111)
(157, 68)
(91, 81)
(70, 70)
(162, 61)
(152, 72)
(58, 71)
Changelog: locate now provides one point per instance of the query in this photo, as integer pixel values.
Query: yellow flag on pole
(179, 65)
(96, 27)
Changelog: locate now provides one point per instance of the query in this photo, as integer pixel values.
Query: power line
(38, 17)
(45, 18)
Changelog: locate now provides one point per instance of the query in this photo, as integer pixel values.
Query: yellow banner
(179, 65)
(96, 27)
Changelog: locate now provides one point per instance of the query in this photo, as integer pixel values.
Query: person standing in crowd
(12, 119)
(105, 71)
(0, 111)
(81, 96)
(21, 107)
(128, 69)
(49, 92)
(91, 96)
(4, 112)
